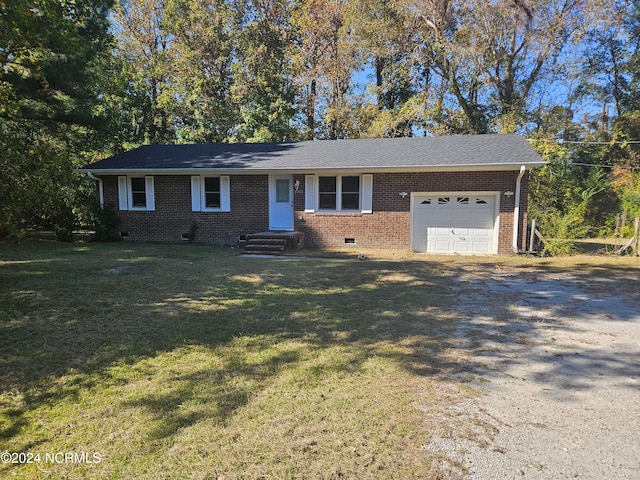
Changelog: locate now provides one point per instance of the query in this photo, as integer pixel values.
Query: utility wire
(570, 163)
(585, 142)
(597, 143)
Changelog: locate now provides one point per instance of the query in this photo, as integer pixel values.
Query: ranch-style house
(452, 194)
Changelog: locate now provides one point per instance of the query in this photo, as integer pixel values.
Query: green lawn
(180, 361)
(173, 361)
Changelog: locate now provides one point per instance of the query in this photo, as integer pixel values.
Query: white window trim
(312, 193)
(198, 197)
(125, 193)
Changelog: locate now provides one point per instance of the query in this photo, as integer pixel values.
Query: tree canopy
(82, 79)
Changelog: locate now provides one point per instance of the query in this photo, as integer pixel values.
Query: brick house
(457, 194)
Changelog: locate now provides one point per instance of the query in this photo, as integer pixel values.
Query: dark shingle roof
(486, 152)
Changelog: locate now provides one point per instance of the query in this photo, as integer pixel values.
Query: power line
(597, 143)
(591, 165)
(585, 142)
(570, 163)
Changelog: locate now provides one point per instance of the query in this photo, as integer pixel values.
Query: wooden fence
(536, 239)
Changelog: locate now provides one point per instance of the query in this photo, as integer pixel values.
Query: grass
(182, 361)
(192, 362)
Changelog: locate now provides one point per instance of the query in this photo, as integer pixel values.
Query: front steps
(271, 243)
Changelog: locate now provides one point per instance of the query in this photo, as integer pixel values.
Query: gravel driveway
(555, 357)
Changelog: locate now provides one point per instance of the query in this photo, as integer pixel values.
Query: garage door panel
(462, 217)
(481, 232)
(442, 245)
(460, 246)
(480, 247)
(441, 217)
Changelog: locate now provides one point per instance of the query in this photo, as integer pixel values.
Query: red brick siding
(389, 226)
(173, 216)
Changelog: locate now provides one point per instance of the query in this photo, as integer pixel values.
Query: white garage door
(445, 223)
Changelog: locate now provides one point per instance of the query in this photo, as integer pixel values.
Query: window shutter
(309, 193)
(123, 197)
(195, 193)
(225, 194)
(367, 193)
(151, 197)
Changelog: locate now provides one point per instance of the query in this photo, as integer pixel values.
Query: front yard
(178, 361)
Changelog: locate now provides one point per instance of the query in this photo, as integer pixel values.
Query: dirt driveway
(555, 356)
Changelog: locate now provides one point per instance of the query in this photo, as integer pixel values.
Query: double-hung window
(328, 193)
(136, 193)
(350, 195)
(211, 192)
(339, 193)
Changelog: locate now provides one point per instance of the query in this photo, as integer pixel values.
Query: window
(327, 186)
(349, 193)
(345, 189)
(136, 193)
(282, 191)
(212, 192)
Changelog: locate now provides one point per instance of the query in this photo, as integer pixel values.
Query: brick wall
(173, 216)
(389, 226)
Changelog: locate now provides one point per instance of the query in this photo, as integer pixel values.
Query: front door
(281, 202)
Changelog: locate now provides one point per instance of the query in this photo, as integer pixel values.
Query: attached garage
(462, 223)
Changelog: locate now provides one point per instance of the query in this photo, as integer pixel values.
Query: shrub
(64, 222)
(105, 223)
(555, 248)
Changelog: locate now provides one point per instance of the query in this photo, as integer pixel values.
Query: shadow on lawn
(68, 325)
(78, 319)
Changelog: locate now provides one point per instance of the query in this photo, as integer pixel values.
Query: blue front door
(281, 202)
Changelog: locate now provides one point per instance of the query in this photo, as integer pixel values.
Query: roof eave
(308, 170)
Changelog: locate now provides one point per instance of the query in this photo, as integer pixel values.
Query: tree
(626, 185)
(384, 33)
(205, 41)
(50, 116)
(609, 64)
(568, 198)
(490, 55)
(263, 86)
(326, 63)
(146, 51)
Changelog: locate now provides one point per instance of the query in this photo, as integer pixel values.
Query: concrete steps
(265, 244)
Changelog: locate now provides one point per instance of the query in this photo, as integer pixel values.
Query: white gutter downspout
(516, 210)
(100, 188)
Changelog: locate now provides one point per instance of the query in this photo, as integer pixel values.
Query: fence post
(532, 235)
(637, 227)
